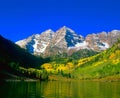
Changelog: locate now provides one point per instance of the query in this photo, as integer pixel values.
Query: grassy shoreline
(115, 78)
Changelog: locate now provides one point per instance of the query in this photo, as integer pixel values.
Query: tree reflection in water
(60, 89)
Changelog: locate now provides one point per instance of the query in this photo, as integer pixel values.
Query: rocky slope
(37, 43)
(63, 40)
(103, 40)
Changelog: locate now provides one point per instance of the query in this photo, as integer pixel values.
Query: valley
(62, 55)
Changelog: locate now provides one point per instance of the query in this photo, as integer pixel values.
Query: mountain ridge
(66, 40)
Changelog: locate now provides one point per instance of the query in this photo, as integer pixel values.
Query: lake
(60, 89)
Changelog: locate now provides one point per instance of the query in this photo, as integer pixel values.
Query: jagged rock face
(62, 40)
(67, 41)
(97, 42)
(103, 40)
(27, 43)
(42, 41)
(102, 36)
(113, 37)
(37, 43)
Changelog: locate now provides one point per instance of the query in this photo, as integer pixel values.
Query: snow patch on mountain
(83, 44)
(35, 45)
(72, 38)
(42, 40)
(21, 42)
(104, 46)
(78, 46)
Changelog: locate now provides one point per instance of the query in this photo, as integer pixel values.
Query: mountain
(18, 61)
(10, 52)
(66, 40)
(105, 64)
(37, 43)
(103, 40)
(63, 39)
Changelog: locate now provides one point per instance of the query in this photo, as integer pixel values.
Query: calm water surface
(60, 89)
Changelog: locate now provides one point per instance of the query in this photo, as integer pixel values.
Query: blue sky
(22, 18)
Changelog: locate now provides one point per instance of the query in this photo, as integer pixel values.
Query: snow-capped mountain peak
(68, 29)
(65, 40)
(37, 43)
(49, 31)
